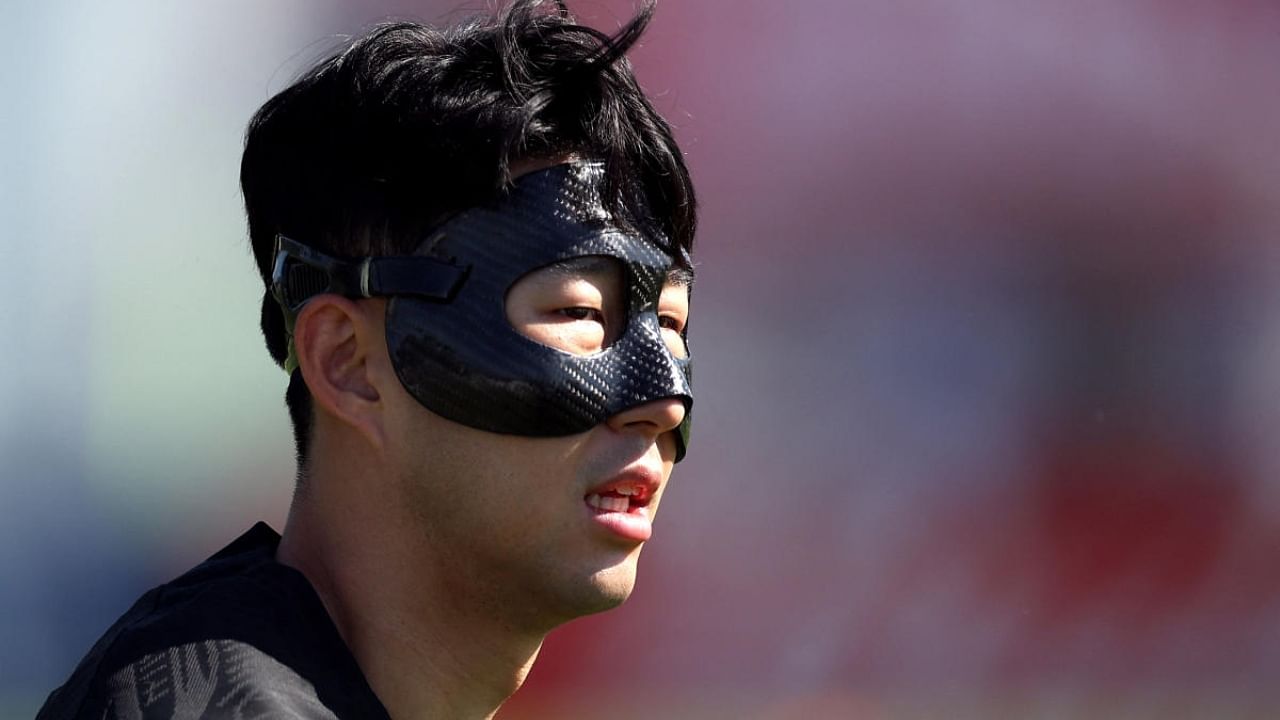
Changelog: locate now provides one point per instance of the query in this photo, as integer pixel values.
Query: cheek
(667, 467)
(513, 482)
(579, 338)
(667, 450)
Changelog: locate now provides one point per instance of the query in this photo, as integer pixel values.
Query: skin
(443, 553)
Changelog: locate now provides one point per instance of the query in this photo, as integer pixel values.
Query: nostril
(653, 417)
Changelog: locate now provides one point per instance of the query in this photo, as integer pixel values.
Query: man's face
(551, 525)
(463, 360)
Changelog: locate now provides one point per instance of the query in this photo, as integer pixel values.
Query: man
(475, 245)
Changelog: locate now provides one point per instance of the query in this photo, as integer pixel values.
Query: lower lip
(633, 525)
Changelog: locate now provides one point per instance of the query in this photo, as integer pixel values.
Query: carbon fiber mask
(447, 331)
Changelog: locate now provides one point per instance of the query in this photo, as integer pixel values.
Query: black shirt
(238, 636)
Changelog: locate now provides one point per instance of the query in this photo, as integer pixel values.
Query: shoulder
(239, 635)
(209, 679)
(240, 594)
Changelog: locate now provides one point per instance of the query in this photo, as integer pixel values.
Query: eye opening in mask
(578, 306)
(673, 310)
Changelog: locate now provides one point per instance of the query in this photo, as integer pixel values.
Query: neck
(428, 644)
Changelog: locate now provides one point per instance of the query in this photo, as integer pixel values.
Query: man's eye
(583, 313)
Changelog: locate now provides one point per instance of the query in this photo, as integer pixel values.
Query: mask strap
(301, 272)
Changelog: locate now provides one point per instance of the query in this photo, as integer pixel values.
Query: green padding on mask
(291, 360)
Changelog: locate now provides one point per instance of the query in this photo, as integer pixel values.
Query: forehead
(523, 166)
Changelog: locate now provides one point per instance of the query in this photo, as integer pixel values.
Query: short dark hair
(409, 124)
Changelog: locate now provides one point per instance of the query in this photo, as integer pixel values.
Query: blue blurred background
(987, 329)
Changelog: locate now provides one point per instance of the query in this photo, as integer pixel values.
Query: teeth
(608, 503)
(627, 490)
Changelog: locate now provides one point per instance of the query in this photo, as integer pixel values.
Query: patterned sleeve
(211, 680)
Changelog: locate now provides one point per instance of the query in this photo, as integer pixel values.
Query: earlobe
(334, 338)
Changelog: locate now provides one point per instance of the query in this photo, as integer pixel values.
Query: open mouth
(625, 499)
(621, 506)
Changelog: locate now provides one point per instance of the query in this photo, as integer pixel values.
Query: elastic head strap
(301, 272)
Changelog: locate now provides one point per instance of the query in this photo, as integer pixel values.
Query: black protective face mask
(448, 335)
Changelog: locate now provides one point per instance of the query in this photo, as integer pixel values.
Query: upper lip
(643, 479)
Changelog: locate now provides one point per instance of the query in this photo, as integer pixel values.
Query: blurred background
(987, 328)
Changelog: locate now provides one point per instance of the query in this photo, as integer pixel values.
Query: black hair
(409, 124)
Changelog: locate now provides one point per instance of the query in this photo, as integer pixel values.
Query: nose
(651, 418)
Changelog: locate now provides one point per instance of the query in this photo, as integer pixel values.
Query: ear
(337, 341)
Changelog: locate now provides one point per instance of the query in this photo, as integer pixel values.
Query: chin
(603, 590)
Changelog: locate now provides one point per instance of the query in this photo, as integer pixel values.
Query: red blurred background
(987, 328)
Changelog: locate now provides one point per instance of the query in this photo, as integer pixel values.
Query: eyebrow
(680, 277)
